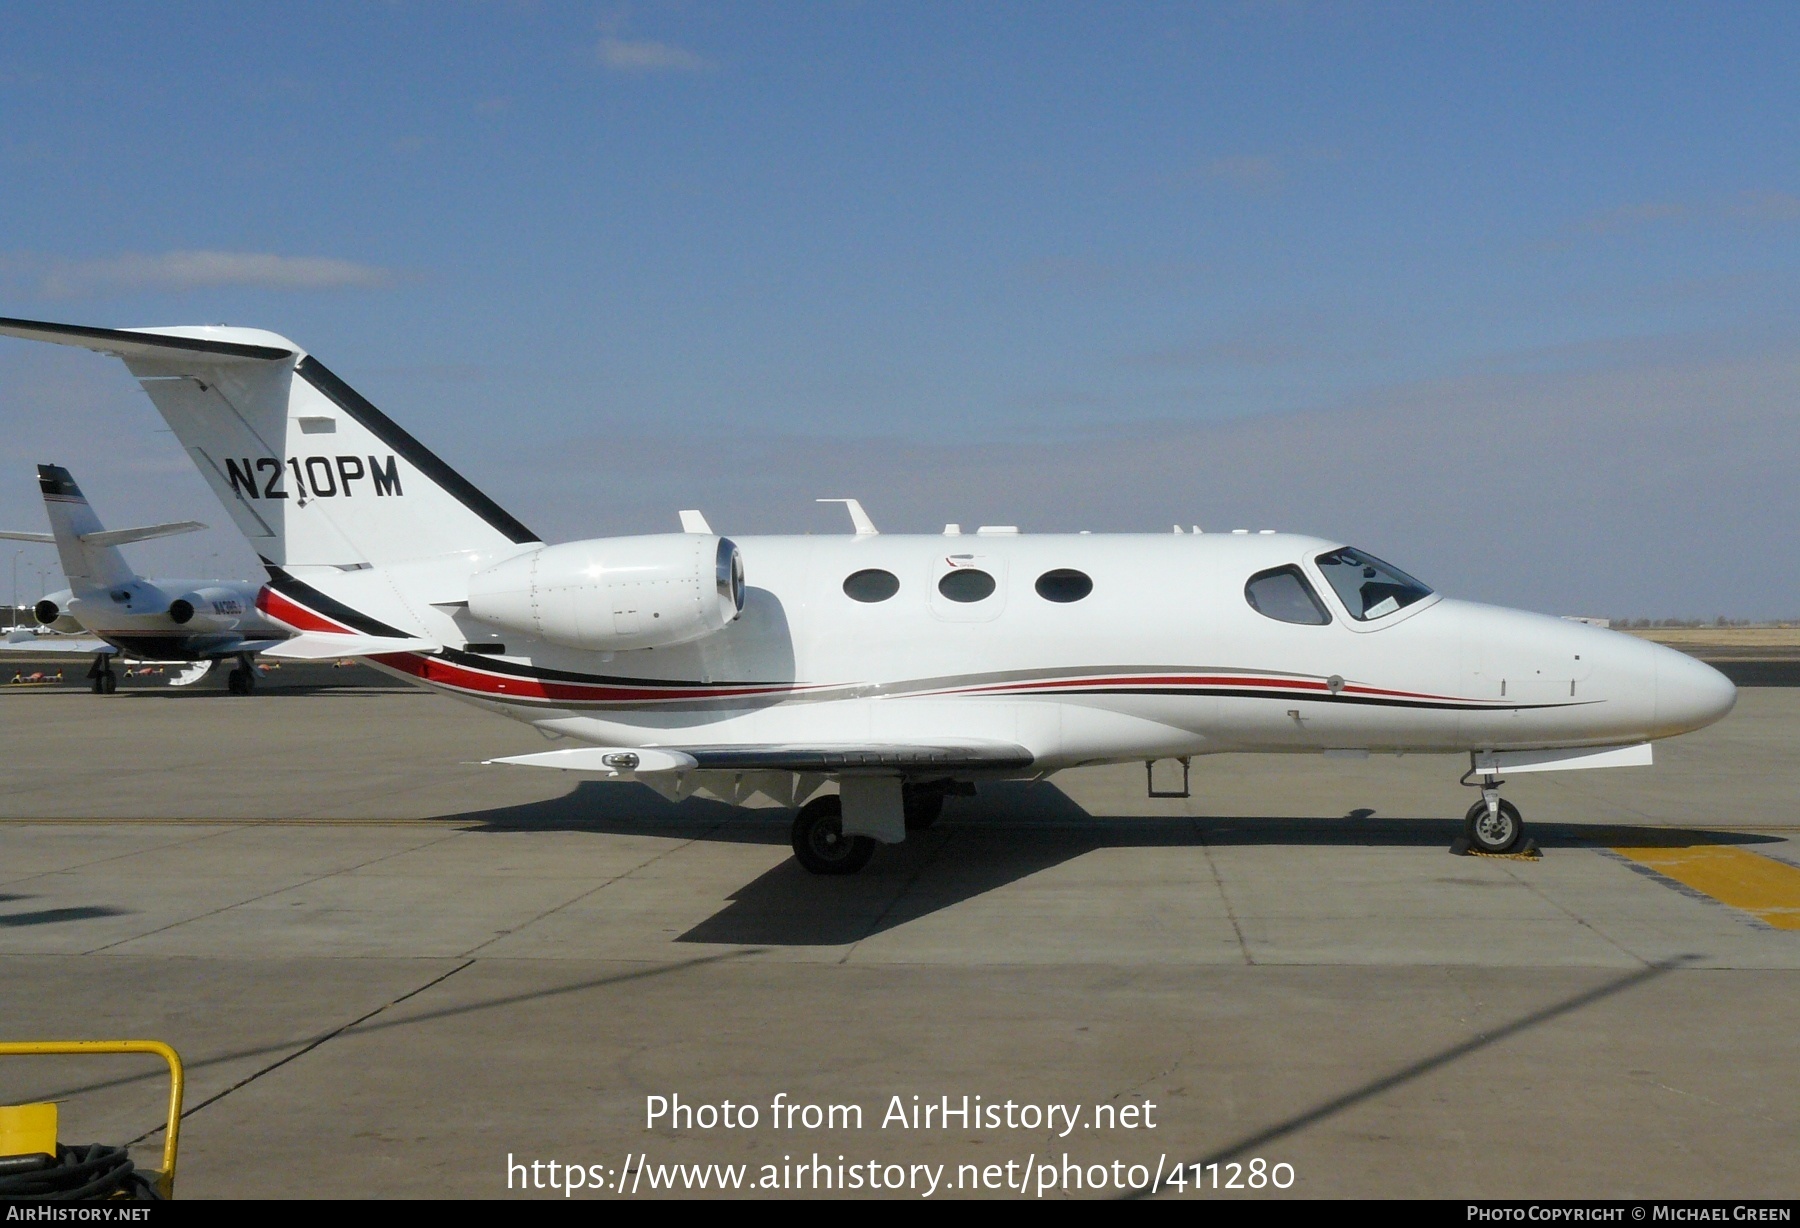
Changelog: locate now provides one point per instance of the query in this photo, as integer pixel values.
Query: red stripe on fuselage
(288, 612)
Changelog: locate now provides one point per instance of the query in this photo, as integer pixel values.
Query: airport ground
(389, 967)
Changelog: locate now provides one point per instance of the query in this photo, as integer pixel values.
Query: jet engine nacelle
(213, 608)
(615, 593)
(53, 613)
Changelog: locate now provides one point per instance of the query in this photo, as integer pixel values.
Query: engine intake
(615, 593)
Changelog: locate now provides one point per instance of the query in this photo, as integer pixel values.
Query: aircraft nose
(1690, 694)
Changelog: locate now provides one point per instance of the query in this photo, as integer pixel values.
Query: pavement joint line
(224, 829)
(1570, 913)
(580, 896)
(1219, 884)
(902, 893)
(213, 912)
(1426, 1065)
(304, 1050)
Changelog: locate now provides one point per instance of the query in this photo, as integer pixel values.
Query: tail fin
(309, 471)
(88, 565)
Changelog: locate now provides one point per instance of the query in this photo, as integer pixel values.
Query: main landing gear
(820, 843)
(1493, 825)
(101, 673)
(242, 679)
(818, 836)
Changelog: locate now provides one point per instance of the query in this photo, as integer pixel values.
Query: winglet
(693, 522)
(858, 518)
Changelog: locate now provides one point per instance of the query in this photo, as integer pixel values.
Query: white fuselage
(134, 616)
(1165, 657)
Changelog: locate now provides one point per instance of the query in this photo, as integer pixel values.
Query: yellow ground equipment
(30, 1129)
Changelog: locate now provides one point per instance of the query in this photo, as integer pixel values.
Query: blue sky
(1505, 292)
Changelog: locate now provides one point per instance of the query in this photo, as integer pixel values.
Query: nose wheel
(1493, 824)
(1500, 830)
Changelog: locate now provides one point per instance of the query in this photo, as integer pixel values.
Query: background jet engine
(615, 593)
(52, 612)
(214, 608)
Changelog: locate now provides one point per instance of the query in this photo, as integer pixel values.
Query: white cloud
(205, 270)
(642, 55)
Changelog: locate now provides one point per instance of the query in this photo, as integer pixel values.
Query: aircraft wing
(871, 759)
(12, 536)
(28, 644)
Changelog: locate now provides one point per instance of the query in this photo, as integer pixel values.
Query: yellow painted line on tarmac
(1767, 889)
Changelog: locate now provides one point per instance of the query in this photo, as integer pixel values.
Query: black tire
(107, 683)
(234, 682)
(820, 843)
(1500, 833)
(923, 806)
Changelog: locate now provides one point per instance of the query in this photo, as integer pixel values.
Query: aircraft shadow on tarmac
(1008, 833)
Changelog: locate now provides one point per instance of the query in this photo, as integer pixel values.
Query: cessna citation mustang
(863, 678)
(202, 621)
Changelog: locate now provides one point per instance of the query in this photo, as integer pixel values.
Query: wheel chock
(1460, 847)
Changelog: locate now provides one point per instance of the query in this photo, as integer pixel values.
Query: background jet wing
(124, 537)
(837, 759)
(27, 644)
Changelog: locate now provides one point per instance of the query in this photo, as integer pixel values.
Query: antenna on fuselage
(858, 518)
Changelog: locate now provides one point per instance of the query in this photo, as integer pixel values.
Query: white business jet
(199, 621)
(864, 677)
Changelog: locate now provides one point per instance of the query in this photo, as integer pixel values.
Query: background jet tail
(322, 483)
(88, 565)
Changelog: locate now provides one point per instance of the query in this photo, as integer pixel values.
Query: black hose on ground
(73, 1174)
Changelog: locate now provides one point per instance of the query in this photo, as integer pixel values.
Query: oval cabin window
(871, 585)
(1064, 585)
(967, 584)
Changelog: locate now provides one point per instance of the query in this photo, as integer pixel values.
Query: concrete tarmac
(389, 967)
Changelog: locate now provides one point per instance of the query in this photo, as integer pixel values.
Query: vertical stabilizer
(88, 566)
(312, 473)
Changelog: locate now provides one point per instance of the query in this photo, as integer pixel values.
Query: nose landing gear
(1493, 825)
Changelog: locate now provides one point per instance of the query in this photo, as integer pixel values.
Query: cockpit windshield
(1369, 587)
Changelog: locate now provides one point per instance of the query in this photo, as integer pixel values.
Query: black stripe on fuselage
(1378, 701)
(421, 458)
(512, 669)
(310, 597)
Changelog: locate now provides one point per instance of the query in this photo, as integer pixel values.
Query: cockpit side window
(1369, 587)
(1283, 594)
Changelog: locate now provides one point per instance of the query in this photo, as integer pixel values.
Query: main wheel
(820, 843)
(922, 807)
(237, 683)
(107, 683)
(1501, 832)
